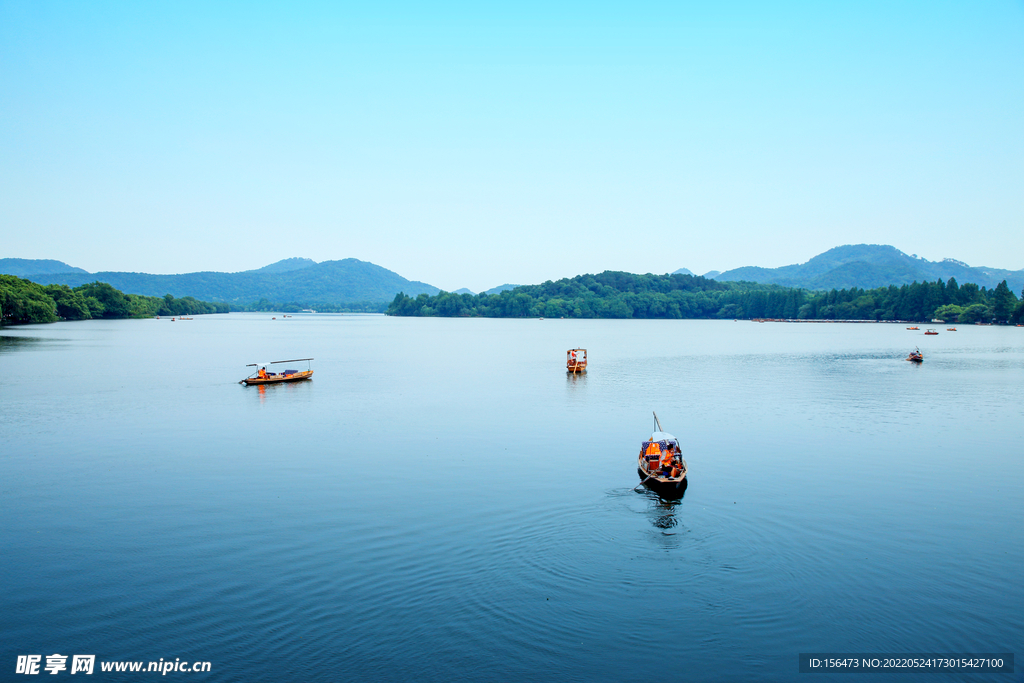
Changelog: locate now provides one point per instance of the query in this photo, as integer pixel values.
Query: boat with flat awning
(264, 373)
(576, 360)
(661, 465)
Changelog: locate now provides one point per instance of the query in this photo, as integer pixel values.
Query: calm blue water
(442, 502)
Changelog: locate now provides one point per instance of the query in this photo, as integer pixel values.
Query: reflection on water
(9, 343)
(576, 380)
(663, 513)
(265, 390)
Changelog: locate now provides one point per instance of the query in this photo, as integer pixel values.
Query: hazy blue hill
(751, 274)
(285, 265)
(866, 276)
(351, 279)
(463, 290)
(24, 267)
(868, 266)
(683, 271)
(330, 282)
(873, 254)
(500, 288)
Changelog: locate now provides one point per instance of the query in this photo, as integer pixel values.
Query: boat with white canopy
(660, 464)
(264, 373)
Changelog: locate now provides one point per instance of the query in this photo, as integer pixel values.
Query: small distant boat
(576, 360)
(916, 356)
(931, 330)
(660, 464)
(263, 375)
(950, 329)
(913, 328)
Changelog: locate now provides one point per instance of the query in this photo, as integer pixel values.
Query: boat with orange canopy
(264, 374)
(660, 464)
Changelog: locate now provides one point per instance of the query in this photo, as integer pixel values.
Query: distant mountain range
(868, 266)
(26, 267)
(351, 281)
(493, 290)
(710, 275)
(293, 280)
(500, 288)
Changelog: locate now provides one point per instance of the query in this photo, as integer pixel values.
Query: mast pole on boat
(657, 424)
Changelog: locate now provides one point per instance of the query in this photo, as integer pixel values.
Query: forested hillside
(871, 266)
(24, 267)
(625, 295)
(24, 301)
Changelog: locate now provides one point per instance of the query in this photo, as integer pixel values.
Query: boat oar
(637, 487)
(650, 476)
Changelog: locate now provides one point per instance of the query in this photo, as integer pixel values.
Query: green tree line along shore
(624, 295)
(295, 307)
(23, 301)
(606, 295)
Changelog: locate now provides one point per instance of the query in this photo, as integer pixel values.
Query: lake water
(442, 502)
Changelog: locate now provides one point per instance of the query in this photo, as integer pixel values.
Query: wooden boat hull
(576, 361)
(279, 379)
(666, 487)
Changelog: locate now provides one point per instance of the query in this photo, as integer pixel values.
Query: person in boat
(669, 461)
(666, 460)
(262, 374)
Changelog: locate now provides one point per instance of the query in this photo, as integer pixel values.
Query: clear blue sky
(472, 144)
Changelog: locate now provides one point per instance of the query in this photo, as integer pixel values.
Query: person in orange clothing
(668, 460)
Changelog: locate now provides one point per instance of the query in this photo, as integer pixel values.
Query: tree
(975, 313)
(519, 305)
(71, 305)
(23, 301)
(115, 305)
(1003, 302)
(1018, 311)
(952, 291)
(949, 312)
